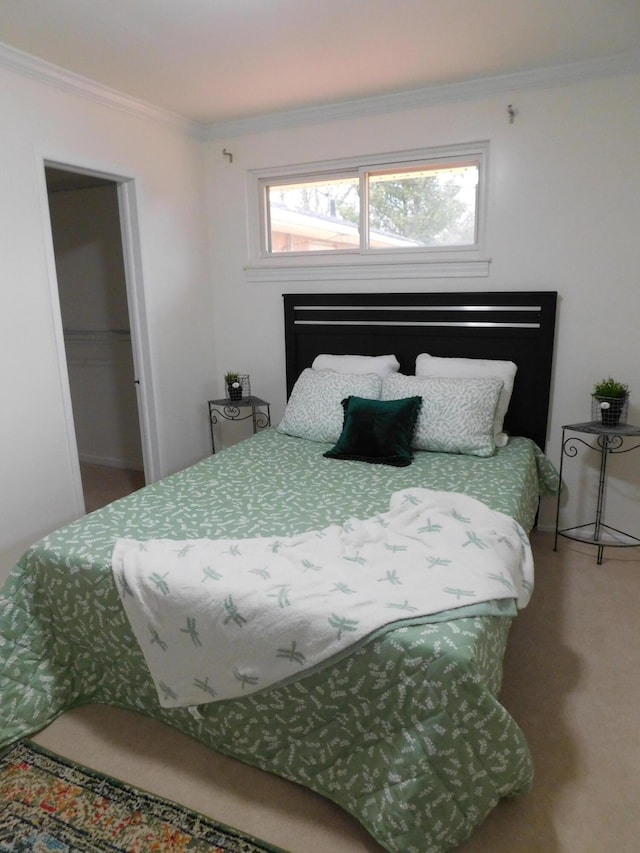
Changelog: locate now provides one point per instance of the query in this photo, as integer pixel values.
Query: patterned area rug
(48, 804)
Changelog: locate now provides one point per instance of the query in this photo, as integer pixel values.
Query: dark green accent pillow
(377, 430)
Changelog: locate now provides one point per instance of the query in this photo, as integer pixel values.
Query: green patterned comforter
(406, 733)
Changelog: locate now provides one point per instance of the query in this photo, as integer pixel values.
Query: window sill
(264, 274)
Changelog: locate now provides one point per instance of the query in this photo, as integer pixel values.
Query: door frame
(136, 304)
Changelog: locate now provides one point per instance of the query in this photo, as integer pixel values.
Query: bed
(405, 731)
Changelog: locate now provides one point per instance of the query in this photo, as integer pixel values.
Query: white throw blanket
(217, 619)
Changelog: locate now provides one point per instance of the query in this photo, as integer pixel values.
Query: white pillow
(314, 410)
(475, 368)
(456, 415)
(383, 365)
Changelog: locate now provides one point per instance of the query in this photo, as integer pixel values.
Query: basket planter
(611, 411)
(238, 386)
(234, 390)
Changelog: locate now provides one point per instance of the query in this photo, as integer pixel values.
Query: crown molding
(53, 75)
(561, 75)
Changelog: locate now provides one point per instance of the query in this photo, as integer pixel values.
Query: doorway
(90, 266)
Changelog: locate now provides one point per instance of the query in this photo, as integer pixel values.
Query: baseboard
(111, 462)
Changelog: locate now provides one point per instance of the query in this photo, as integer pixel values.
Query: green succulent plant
(610, 388)
(230, 377)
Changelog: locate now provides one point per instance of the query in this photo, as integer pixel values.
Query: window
(410, 207)
(426, 207)
(312, 215)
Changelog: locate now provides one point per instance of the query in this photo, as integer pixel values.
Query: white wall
(563, 214)
(37, 471)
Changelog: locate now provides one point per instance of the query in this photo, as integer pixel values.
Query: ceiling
(219, 60)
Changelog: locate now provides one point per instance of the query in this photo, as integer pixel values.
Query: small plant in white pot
(609, 400)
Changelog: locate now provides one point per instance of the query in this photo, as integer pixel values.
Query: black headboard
(517, 327)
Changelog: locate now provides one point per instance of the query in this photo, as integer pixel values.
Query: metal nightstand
(233, 410)
(608, 440)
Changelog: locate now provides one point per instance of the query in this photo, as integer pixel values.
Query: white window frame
(365, 263)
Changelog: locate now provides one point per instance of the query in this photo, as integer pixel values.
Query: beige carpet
(102, 484)
(571, 680)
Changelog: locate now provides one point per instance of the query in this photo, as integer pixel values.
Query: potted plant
(610, 398)
(234, 387)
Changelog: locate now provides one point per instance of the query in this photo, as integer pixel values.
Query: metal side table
(608, 440)
(239, 410)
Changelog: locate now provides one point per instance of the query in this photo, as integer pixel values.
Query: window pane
(313, 215)
(423, 207)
